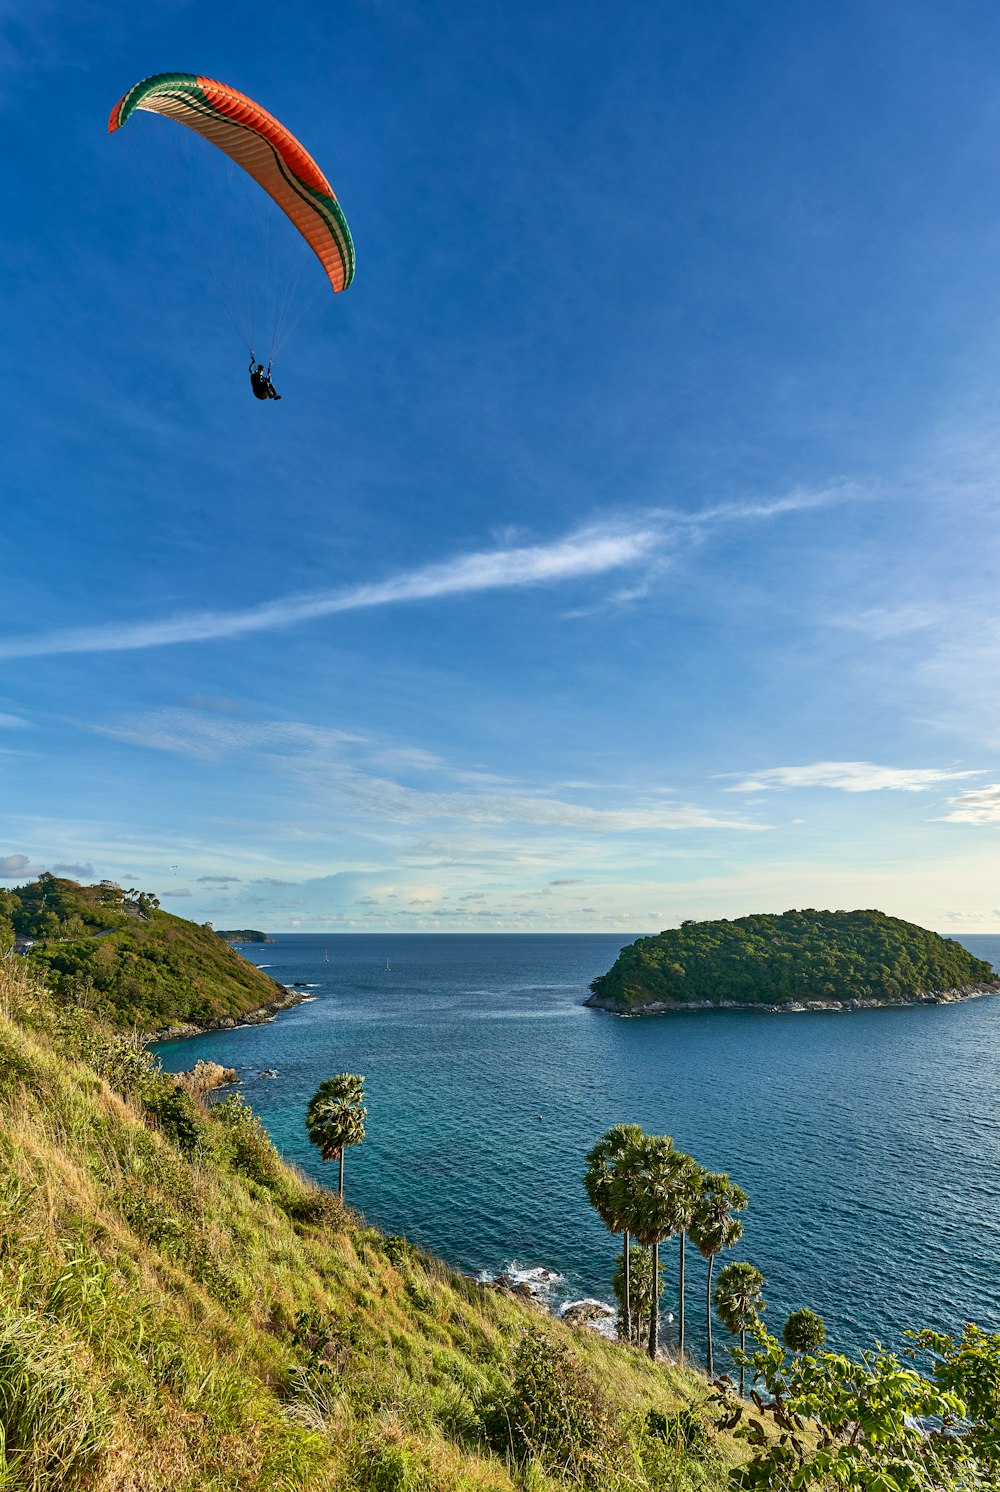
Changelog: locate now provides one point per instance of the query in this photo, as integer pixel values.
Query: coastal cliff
(795, 961)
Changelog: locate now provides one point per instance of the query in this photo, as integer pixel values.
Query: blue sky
(625, 545)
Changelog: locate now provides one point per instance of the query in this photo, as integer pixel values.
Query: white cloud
(13, 866)
(591, 551)
(982, 806)
(12, 722)
(598, 549)
(849, 777)
(326, 761)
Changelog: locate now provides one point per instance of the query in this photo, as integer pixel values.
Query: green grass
(179, 1309)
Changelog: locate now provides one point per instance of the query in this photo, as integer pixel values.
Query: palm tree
(714, 1228)
(598, 1181)
(739, 1303)
(687, 1190)
(644, 1196)
(336, 1117)
(805, 1332)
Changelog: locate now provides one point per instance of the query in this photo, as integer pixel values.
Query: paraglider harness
(260, 381)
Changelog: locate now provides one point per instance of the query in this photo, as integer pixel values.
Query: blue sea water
(868, 1143)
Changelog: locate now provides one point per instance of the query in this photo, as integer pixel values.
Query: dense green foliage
(124, 957)
(876, 1425)
(797, 956)
(244, 935)
(180, 1310)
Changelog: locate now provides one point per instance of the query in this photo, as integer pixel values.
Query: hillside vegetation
(799, 956)
(126, 958)
(179, 1309)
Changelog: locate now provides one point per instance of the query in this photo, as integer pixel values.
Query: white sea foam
(606, 1323)
(539, 1279)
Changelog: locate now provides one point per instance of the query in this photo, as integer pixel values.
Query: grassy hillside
(178, 1309)
(126, 958)
(797, 956)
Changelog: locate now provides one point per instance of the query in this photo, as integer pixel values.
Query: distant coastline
(795, 1007)
(257, 1017)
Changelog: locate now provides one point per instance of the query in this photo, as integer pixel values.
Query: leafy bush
(248, 1149)
(549, 1413)
(312, 1205)
(176, 1113)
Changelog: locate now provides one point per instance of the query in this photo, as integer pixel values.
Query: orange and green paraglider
(263, 147)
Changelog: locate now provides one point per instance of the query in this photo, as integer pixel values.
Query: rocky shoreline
(790, 1007)
(257, 1017)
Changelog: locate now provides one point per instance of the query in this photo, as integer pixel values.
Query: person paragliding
(260, 381)
(260, 144)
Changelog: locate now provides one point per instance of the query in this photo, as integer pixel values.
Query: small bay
(868, 1142)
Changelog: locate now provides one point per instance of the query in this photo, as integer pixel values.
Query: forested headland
(126, 958)
(796, 960)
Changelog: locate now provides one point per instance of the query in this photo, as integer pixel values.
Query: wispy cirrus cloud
(848, 777)
(334, 761)
(598, 549)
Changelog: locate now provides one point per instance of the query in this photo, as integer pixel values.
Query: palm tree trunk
(341, 1173)
(743, 1371)
(628, 1294)
(710, 1364)
(680, 1342)
(654, 1319)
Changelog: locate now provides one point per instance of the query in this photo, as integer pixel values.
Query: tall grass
(183, 1310)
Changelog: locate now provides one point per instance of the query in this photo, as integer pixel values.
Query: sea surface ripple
(868, 1143)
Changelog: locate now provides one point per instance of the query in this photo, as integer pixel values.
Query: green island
(127, 959)
(798, 960)
(243, 935)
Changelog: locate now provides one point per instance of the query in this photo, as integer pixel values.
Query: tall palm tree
(644, 1195)
(714, 1227)
(336, 1117)
(598, 1181)
(739, 1303)
(687, 1191)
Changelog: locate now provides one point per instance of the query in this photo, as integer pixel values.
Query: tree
(687, 1191)
(714, 1228)
(644, 1196)
(805, 1332)
(598, 1181)
(633, 1315)
(336, 1117)
(740, 1304)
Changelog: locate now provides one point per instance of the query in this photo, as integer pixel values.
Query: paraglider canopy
(265, 150)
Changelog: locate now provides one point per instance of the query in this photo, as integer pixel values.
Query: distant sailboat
(326, 955)
(388, 967)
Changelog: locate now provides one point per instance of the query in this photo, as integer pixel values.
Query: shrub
(549, 1413)
(176, 1113)
(248, 1149)
(306, 1205)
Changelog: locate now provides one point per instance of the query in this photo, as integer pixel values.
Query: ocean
(867, 1143)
